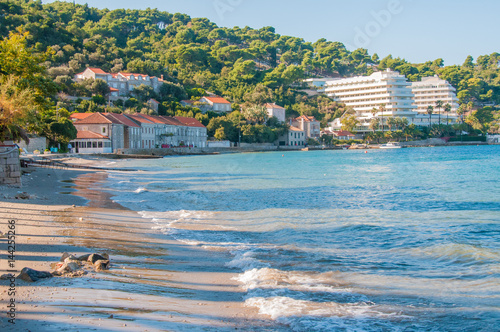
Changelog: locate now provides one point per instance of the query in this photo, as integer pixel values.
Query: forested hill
(242, 64)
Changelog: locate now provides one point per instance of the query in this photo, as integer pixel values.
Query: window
(94, 144)
(104, 130)
(99, 144)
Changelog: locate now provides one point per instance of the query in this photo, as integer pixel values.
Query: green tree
(220, 134)
(17, 105)
(349, 123)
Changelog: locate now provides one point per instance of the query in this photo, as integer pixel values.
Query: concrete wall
(10, 167)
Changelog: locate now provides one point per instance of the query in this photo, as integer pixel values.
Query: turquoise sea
(388, 240)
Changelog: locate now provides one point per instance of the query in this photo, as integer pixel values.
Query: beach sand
(154, 284)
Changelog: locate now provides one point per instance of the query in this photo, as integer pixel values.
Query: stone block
(15, 174)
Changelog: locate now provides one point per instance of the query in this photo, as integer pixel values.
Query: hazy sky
(417, 30)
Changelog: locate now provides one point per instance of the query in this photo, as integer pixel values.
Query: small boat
(390, 145)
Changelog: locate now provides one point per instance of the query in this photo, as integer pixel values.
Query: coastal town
(383, 97)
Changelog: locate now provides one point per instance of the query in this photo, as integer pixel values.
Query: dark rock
(101, 265)
(31, 275)
(23, 195)
(83, 258)
(94, 258)
(6, 276)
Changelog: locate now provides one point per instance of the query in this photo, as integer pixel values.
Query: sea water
(401, 239)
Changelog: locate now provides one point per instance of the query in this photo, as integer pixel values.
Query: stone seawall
(194, 151)
(10, 166)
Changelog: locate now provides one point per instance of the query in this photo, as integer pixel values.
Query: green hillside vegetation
(247, 66)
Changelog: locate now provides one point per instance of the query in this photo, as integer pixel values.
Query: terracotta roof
(121, 119)
(188, 101)
(154, 100)
(113, 89)
(273, 105)
(139, 118)
(171, 120)
(97, 71)
(306, 118)
(343, 133)
(85, 134)
(292, 128)
(217, 100)
(190, 122)
(95, 118)
(78, 116)
(135, 74)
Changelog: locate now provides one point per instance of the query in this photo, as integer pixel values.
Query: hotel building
(428, 91)
(387, 89)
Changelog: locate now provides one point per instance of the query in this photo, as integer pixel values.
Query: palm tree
(374, 124)
(439, 105)
(391, 122)
(447, 109)
(430, 109)
(381, 109)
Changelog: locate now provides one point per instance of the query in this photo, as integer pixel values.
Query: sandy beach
(154, 284)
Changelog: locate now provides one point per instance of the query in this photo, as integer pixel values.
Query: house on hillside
(309, 125)
(215, 104)
(276, 111)
(122, 83)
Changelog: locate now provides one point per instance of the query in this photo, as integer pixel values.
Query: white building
(216, 104)
(428, 91)
(294, 136)
(309, 125)
(276, 111)
(382, 94)
(121, 84)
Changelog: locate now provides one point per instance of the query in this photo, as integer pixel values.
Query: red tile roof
(171, 120)
(306, 118)
(121, 119)
(139, 118)
(78, 116)
(98, 71)
(217, 100)
(292, 128)
(190, 122)
(95, 118)
(135, 74)
(85, 134)
(273, 105)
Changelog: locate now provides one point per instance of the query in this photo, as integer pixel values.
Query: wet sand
(154, 284)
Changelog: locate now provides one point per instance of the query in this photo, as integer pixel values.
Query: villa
(122, 83)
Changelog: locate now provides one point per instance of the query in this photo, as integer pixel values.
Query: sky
(417, 30)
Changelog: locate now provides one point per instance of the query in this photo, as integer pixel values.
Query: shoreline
(154, 283)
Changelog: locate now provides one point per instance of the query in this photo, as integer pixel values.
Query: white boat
(390, 145)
